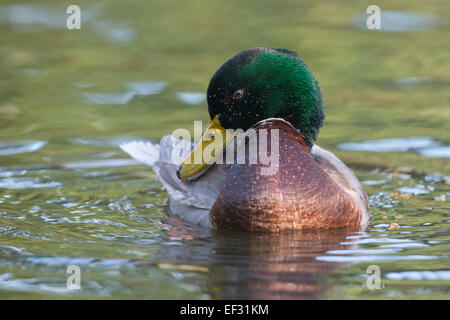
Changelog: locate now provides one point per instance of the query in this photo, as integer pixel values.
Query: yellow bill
(212, 144)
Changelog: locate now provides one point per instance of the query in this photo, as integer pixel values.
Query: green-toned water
(73, 93)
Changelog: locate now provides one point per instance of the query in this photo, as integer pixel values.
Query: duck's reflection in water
(257, 266)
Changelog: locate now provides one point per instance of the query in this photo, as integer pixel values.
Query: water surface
(139, 70)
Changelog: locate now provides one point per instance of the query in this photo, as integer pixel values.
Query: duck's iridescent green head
(263, 83)
(255, 85)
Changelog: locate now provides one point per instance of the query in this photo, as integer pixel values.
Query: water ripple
(191, 97)
(374, 258)
(419, 275)
(423, 145)
(15, 147)
(110, 163)
(399, 21)
(24, 183)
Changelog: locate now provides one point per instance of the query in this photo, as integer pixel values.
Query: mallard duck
(260, 89)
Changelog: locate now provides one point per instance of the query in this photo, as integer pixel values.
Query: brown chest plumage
(299, 195)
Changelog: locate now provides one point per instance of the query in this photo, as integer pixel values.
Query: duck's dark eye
(238, 94)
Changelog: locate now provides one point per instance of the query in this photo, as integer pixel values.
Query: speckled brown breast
(300, 195)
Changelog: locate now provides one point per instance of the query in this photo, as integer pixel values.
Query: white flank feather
(142, 151)
(192, 200)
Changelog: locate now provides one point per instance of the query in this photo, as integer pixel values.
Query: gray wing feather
(342, 175)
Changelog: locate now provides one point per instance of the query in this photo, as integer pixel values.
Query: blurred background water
(139, 70)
